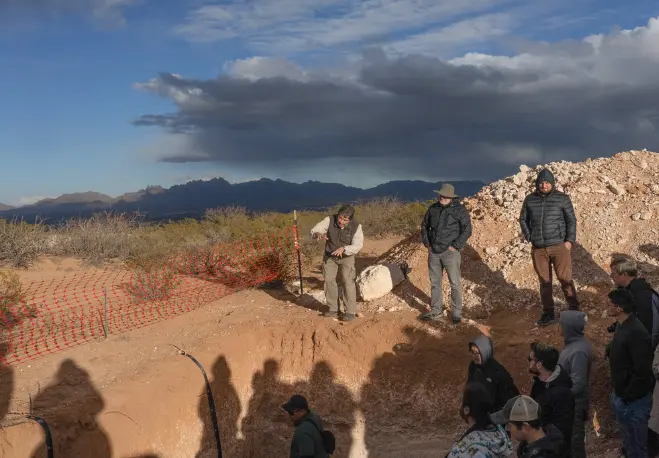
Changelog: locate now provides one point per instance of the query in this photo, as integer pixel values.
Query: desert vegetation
(111, 237)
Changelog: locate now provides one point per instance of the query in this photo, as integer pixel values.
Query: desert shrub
(153, 281)
(102, 237)
(226, 216)
(12, 299)
(21, 243)
(388, 216)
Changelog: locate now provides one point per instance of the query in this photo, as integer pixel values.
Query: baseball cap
(519, 408)
(296, 402)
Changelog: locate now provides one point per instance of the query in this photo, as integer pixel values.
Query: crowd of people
(551, 421)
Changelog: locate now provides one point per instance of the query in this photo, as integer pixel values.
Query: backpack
(327, 436)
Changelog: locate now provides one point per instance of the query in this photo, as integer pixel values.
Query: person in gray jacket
(307, 439)
(576, 360)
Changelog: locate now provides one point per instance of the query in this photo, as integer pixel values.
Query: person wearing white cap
(522, 416)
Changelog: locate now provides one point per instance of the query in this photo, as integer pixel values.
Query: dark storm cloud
(479, 116)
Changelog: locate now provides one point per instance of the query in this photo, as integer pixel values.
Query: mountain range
(191, 199)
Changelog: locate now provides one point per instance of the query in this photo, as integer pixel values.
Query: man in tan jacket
(343, 240)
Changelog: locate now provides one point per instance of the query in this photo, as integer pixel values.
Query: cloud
(294, 25)
(108, 12)
(29, 200)
(474, 116)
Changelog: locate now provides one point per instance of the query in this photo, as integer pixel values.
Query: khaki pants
(346, 267)
(560, 257)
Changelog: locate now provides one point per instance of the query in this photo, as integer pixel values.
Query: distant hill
(193, 198)
(5, 207)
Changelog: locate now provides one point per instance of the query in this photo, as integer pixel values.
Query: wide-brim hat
(447, 190)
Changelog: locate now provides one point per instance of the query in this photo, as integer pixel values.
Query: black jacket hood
(545, 175)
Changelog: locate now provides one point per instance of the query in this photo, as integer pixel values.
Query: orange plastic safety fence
(61, 313)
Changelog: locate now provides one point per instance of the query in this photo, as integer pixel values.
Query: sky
(116, 95)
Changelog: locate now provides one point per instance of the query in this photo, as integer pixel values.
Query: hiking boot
(546, 319)
(456, 320)
(331, 314)
(348, 317)
(431, 316)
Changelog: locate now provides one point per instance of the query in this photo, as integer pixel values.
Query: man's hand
(319, 236)
(568, 245)
(451, 248)
(338, 253)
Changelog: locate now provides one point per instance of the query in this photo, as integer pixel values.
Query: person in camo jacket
(547, 221)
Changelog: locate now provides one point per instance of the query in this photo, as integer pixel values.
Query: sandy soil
(386, 384)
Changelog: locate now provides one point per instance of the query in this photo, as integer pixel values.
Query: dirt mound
(615, 200)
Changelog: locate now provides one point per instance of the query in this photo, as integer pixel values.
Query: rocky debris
(377, 280)
(614, 200)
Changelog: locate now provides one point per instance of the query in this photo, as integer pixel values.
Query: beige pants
(346, 268)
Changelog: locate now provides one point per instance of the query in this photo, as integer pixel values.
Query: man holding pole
(343, 240)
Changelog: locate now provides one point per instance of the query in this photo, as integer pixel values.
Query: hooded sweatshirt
(555, 400)
(492, 442)
(307, 441)
(553, 445)
(491, 374)
(646, 303)
(548, 219)
(576, 357)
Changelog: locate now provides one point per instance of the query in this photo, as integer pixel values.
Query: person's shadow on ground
(227, 407)
(412, 390)
(266, 429)
(70, 406)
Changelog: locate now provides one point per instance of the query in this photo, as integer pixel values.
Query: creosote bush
(12, 299)
(153, 282)
(21, 243)
(100, 238)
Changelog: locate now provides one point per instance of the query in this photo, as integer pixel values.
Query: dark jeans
(633, 421)
(450, 261)
(560, 257)
(578, 444)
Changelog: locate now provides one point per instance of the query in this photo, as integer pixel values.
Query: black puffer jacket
(548, 219)
(447, 226)
(555, 399)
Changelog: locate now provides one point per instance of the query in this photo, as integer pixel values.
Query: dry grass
(12, 299)
(21, 243)
(126, 237)
(100, 238)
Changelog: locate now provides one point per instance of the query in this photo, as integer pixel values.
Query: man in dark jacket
(445, 229)
(576, 360)
(551, 388)
(522, 415)
(343, 238)
(624, 273)
(486, 370)
(547, 221)
(307, 439)
(630, 361)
